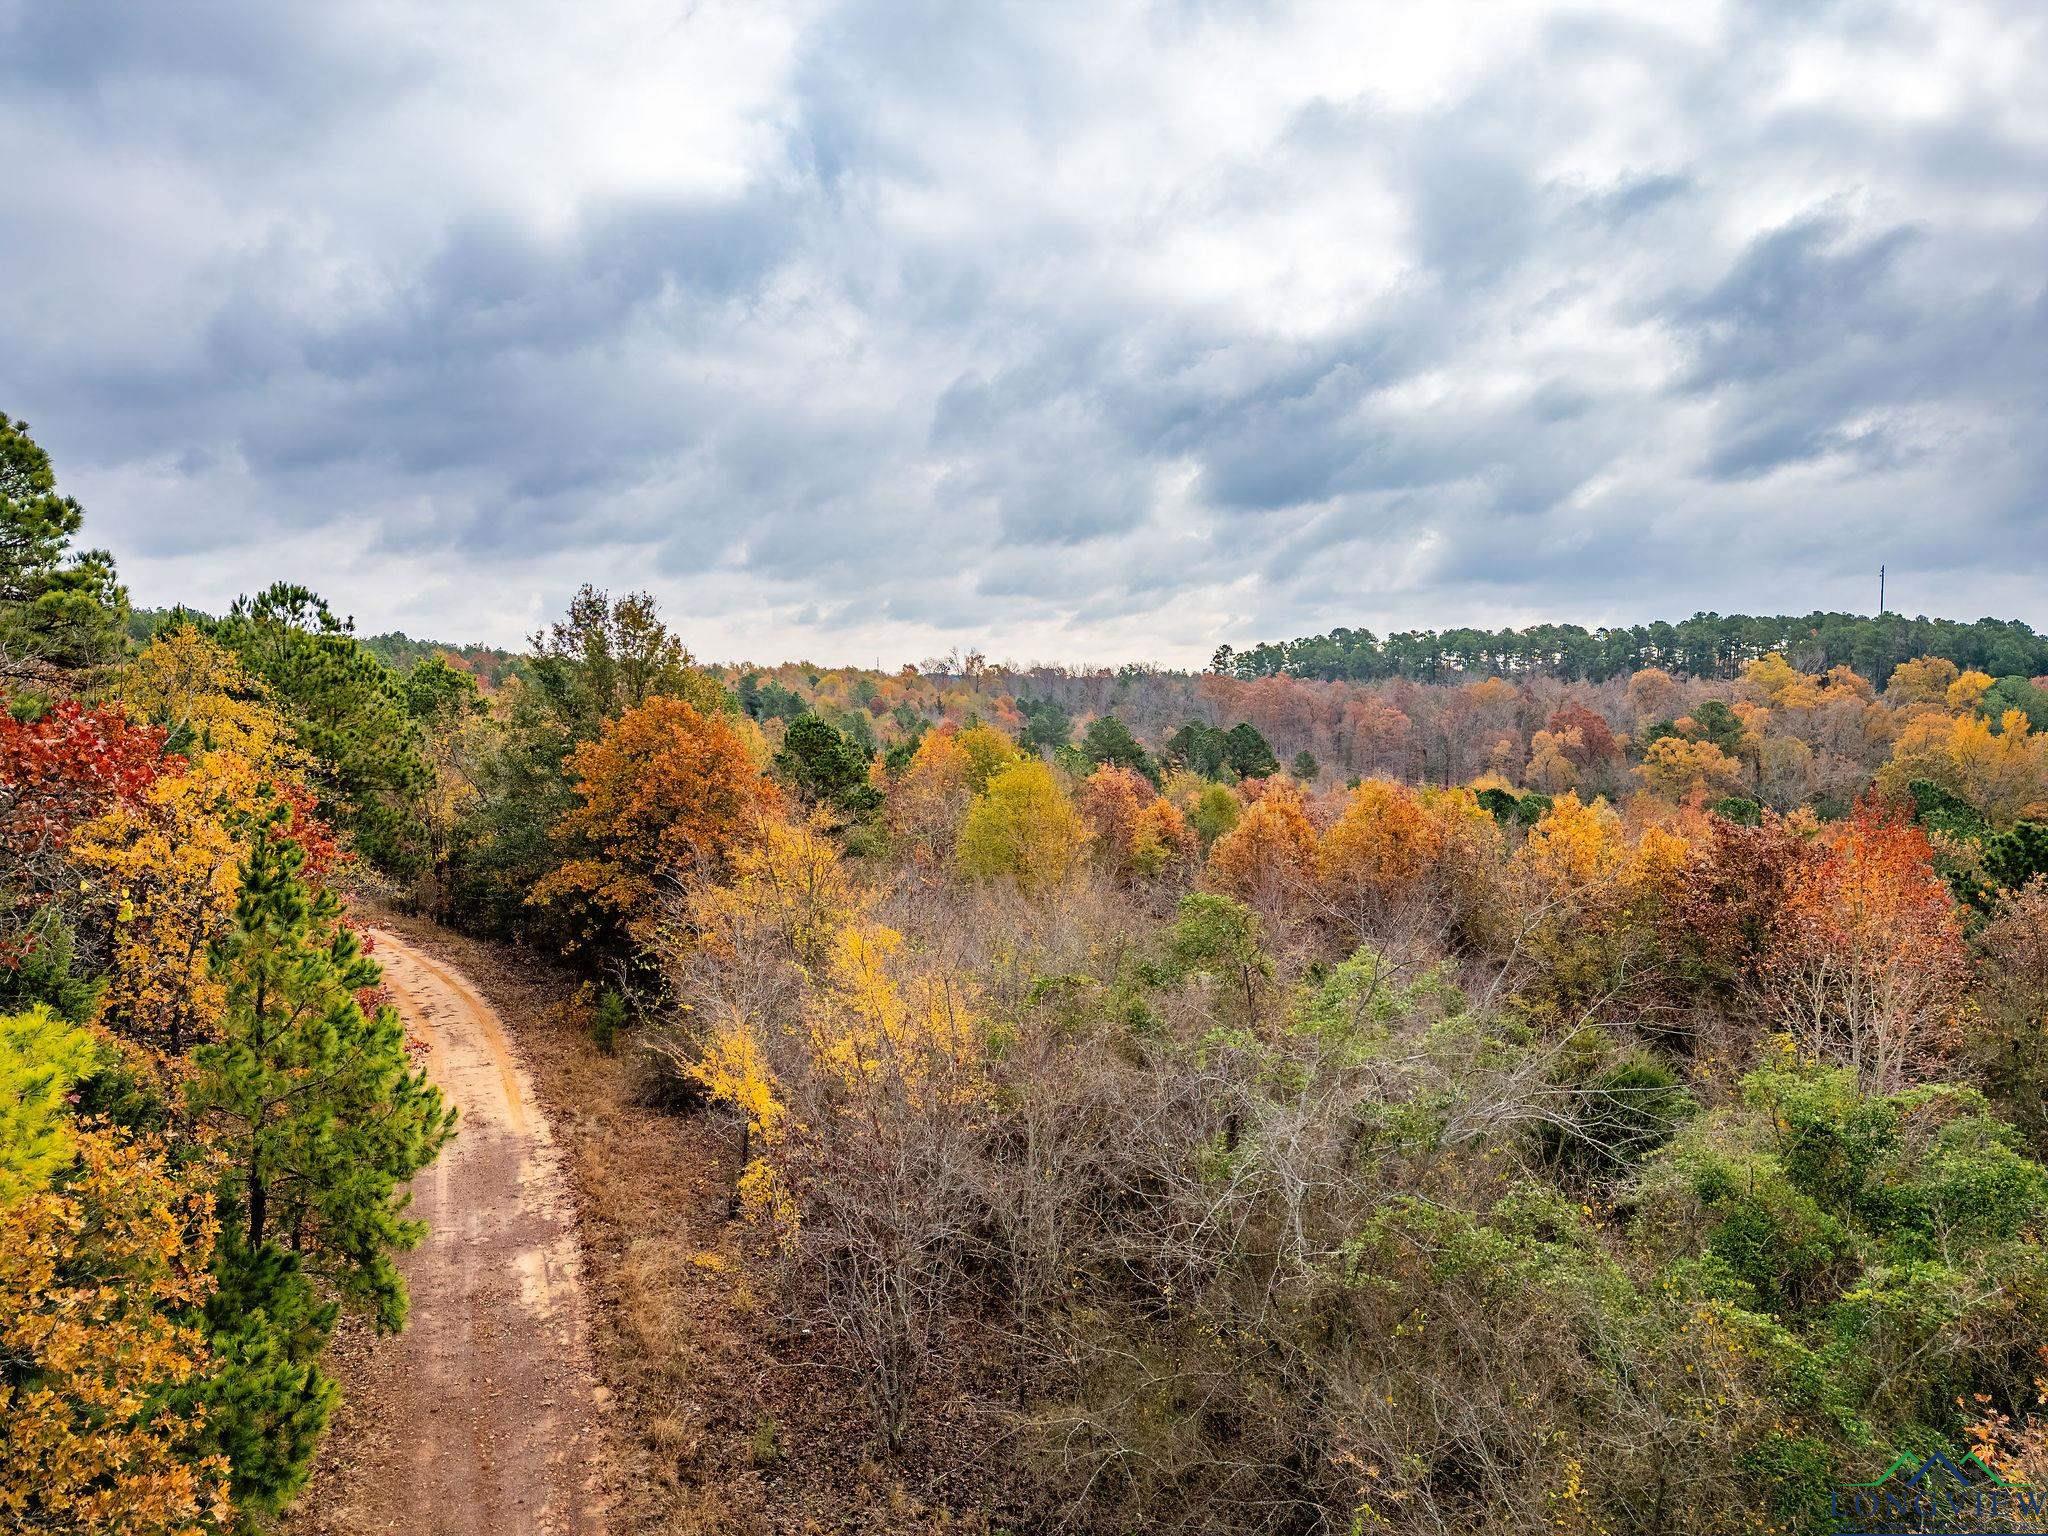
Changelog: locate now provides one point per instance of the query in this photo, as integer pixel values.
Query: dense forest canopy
(1707, 645)
(1561, 1080)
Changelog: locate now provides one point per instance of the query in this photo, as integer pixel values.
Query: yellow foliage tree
(876, 1049)
(988, 753)
(734, 1070)
(1590, 898)
(1574, 845)
(790, 893)
(1780, 684)
(1551, 768)
(96, 1280)
(210, 703)
(1025, 827)
(1966, 690)
(929, 799)
(2002, 772)
(864, 1024)
(1924, 680)
(165, 869)
(170, 873)
(1651, 693)
(1680, 768)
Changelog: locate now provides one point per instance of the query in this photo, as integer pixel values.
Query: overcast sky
(1076, 332)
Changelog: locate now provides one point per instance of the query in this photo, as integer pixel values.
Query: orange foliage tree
(1592, 901)
(1376, 864)
(666, 795)
(929, 798)
(1867, 962)
(1136, 831)
(1162, 841)
(1268, 859)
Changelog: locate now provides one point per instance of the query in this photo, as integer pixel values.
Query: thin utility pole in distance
(1880, 591)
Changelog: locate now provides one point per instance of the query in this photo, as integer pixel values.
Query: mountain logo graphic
(1954, 1495)
(1978, 1472)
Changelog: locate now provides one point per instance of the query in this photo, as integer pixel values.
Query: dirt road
(484, 1416)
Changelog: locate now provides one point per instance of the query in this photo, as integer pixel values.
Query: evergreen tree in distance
(59, 607)
(349, 711)
(824, 767)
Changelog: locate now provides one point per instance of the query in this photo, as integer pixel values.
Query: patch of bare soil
(485, 1414)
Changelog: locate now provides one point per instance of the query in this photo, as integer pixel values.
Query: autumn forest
(1483, 1081)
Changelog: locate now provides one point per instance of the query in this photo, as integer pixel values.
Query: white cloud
(1067, 331)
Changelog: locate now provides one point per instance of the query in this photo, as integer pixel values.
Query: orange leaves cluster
(664, 794)
(1593, 900)
(1393, 856)
(1162, 841)
(1384, 844)
(1866, 963)
(1111, 799)
(1396, 857)
(1137, 832)
(1268, 860)
(930, 796)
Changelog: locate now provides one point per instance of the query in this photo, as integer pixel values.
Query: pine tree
(58, 606)
(349, 712)
(316, 1106)
(824, 767)
(266, 1399)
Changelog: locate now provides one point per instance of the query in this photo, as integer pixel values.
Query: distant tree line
(1707, 645)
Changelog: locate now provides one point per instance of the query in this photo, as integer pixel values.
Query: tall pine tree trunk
(259, 1199)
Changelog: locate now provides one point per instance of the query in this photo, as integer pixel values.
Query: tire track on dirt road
(484, 1415)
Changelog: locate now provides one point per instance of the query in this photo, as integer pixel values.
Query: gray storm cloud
(1072, 331)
